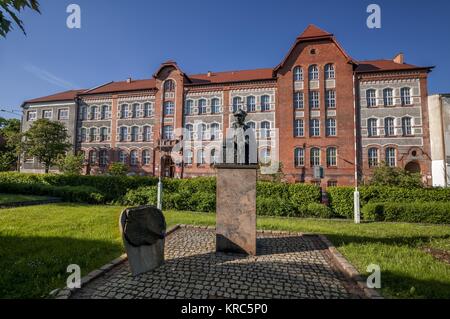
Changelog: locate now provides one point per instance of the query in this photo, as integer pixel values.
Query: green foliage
(141, 196)
(9, 141)
(117, 169)
(385, 175)
(46, 140)
(12, 8)
(430, 212)
(70, 164)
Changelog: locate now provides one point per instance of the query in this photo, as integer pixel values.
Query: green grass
(12, 198)
(38, 243)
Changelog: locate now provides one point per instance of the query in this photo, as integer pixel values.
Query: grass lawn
(37, 244)
(12, 198)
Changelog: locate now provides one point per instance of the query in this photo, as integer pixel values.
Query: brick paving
(287, 266)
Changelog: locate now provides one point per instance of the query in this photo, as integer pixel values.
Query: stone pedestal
(236, 208)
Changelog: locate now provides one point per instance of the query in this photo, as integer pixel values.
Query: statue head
(240, 116)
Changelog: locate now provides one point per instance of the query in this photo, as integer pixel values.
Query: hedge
(431, 212)
(341, 198)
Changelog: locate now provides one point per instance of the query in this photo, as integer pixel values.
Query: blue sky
(119, 39)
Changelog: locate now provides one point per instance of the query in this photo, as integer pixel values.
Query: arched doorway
(168, 167)
(412, 167)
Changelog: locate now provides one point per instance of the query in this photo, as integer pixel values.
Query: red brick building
(318, 107)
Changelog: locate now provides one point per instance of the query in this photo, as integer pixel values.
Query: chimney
(129, 80)
(399, 58)
(209, 74)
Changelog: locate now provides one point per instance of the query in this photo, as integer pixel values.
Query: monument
(236, 190)
(143, 231)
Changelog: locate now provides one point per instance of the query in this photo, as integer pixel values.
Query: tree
(385, 175)
(9, 142)
(118, 169)
(9, 10)
(46, 140)
(71, 164)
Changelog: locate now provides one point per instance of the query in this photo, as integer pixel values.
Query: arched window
(169, 108)
(390, 157)
(299, 128)
(315, 157)
(93, 112)
(252, 125)
(298, 73)
(202, 132)
(406, 126)
(189, 132)
(123, 156)
(331, 156)
(372, 129)
(215, 131)
(189, 107)
(314, 127)
(265, 129)
(134, 110)
(147, 134)
(389, 128)
(214, 156)
(251, 104)
(123, 136)
(313, 72)
(388, 97)
(146, 157)
(299, 157)
(103, 134)
(84, 113)
(83, 135)
(103, 158)
(202, 106)
(298, 101)
(105, 112)
(124, 111)
(148, 110)
(373, 156)
(215, 106)
(265, 103)
(188, 156)
(331, 127)
(133, 158)
(200, 157)
(134, 133)
(405, 95)
(265, 156)
(168, 132)
(371, 98)
(92, 157)
(237, 103)
(329, 72)
(169, 86)
(93, 134)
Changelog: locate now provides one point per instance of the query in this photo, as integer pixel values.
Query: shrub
(304, 194)
(70, 164)
(274, 206)
(341, 200)
(117, 169)
(142, 196)
(415, 212)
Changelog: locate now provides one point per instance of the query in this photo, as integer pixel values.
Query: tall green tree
(47, 141)
(9, 14)
(9, 142)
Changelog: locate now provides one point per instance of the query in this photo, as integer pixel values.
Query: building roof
(313, 32)
(386, 65)
(123, 86)
(231, 76)
(61, 96)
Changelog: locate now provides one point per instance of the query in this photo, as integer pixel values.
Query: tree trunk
(46, 169)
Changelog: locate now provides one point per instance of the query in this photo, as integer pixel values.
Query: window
(405, 94)
(388, 97)
(299, 128)
(103, 134)
(265, 156)
(373, 157)
(265, 129)
(123, 135)
(314, 100)
(237, 104)
(84, 112)
(330, 99)
(94, 112)
(169, 86)
(188, 157)
(148, 110)
(214, 156)
(134, 133)
(299, 157)
(214, 131)
(189, 107)
(190, 132)
(315, 157)
(135, 110)
(371, 98)
(92, 134)
(265, 103)
(252, 125)
(332, 183)
(329, 72)
(201, 131)
(103, 157)
(331, 127)
(146, 157)
(298, 100)
(63, 114)
(147, 134)
(331, 156)
(200, 157)
(168, 132)
(313, 72)
(406, 126)
(298, 74)
(169, 108)
(47, 114)
(83, 135)
(314, 127)
(133, 158)
(124, 111)
(31, 116)
(105, 112)
(215, 106)
(251, 104)
(92, 157)
(389, 126)
(390, 156)
(202, 106)
(123, 157)
(372, 129)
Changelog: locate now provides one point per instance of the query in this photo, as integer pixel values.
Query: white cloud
(49, 77)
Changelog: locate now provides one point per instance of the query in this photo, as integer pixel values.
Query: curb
(65, 293)
(349, 270)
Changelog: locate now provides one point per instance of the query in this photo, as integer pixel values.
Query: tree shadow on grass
(33, 266)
